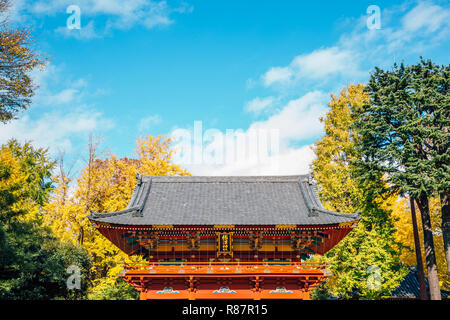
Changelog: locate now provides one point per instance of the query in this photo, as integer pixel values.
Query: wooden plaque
(224, 243)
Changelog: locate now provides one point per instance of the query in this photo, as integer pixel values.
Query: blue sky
(140, 67)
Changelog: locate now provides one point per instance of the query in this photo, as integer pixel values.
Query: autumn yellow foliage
(19, 180)
(105, 185)
(404, 235)
(336, 150)
(369, 250)
(384, 237)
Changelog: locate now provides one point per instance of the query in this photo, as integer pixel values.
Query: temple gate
(224, 237)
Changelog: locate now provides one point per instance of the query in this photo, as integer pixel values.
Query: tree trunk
(420, 273)
(428, 245)
(80, 238)
(445, 212)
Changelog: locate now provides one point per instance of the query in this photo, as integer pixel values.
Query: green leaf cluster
(33, 262)
(404, 128)
(371, 245)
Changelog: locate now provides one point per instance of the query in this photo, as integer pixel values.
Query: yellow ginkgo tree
(404, 236)
(366, 263)
(106, 185)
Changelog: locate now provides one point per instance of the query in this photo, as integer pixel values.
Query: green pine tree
(368, 252)
(403, 133)
(33, 262)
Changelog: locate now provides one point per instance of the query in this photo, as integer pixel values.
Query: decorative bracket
(147, 239)
(256, 240)
(193, 240)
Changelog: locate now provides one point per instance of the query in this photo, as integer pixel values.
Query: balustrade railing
(172, 267)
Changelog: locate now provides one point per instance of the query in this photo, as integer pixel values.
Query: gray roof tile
(252, 200)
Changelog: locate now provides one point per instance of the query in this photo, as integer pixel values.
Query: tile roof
(409, 288)
(247, 200)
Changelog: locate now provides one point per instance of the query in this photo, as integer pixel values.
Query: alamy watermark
(374, 279)
(74, 280)
(255, 146)
(74, 20)
(373, 21)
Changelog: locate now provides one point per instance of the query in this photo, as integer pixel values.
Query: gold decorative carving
(224, 226)
(285, 226)
(162, 226)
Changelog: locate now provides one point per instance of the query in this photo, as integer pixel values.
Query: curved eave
(343, 225)
(135, 206)
(113, 219)
(314, 204)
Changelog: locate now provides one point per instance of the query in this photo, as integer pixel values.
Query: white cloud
(265, 148)
(55, 130)
(425, 26)
(117, 14)
(119, 8)
(63, 97)
(323, 70)
(406, 32)
(292, 161)
(298, 119)
(328, 69)
(277, 75)
(86, 32)
(147, 122)
(414, 30)
(59, 118)
(426, 16)
(320, 65)
(56, 87)
(259, 104)
(324, 62)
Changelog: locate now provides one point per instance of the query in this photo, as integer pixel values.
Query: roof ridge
(222, 179)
